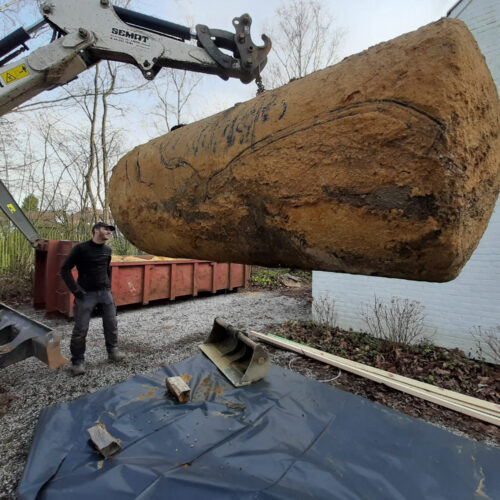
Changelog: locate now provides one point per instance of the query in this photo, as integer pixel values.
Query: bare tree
(90, 147)
(7, 136)
(10, 11)
(487, 341)
(71, 149)
(172, 92)
(304, 40)
(324, 312)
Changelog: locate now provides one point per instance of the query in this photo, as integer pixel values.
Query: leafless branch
(400, 320)
(304, 40)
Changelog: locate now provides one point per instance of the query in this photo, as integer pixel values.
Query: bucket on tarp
(240, 359)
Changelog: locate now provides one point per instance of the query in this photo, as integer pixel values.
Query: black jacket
(92, 260)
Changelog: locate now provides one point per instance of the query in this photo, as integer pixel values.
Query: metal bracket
(22, 337)
(14, 212)
(211, 40)
(251, 57)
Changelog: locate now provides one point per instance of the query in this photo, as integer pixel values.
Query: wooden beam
(467, 405)
(103, 441)
(446, 393)
(179, 388)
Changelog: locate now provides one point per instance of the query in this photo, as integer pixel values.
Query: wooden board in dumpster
(134, 279)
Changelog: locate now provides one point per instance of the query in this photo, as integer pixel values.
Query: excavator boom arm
(88, 31)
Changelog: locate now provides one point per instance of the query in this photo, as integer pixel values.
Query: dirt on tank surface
(384, 164)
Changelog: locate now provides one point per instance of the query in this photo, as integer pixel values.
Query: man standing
(92, 260)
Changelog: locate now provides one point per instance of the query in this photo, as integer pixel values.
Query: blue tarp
(281, 438)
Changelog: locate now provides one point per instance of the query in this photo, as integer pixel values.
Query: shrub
(324, 312)
(400, 320)
(487, 343)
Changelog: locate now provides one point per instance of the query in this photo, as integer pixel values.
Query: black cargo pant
(82, 311)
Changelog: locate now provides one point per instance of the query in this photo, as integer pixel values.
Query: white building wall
(483, 19)
(473, 299)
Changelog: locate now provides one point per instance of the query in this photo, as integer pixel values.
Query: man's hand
(79, 294)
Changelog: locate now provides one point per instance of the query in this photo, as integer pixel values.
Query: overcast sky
(364, 22)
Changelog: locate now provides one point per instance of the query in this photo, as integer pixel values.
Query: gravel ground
(150, 337)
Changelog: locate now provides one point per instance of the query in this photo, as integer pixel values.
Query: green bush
(271, 277)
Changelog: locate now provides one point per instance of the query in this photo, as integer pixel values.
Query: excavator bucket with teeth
(240, 359)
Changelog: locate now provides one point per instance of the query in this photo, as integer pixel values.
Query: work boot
(78, 369)
(116, 355)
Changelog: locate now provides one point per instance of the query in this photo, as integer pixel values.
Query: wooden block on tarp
(386, 164)
(103, 441)
(179, 388)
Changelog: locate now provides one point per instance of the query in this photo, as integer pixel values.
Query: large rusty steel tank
(385, 164)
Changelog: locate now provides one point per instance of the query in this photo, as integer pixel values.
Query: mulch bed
(15, 291)
(447, 368)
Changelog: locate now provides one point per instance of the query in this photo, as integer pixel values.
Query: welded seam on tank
(289, 131)
(440, 124)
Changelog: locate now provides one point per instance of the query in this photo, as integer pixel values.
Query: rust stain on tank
(374, 166)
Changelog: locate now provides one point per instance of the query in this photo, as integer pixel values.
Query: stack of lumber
(474, 407)
(385, 164)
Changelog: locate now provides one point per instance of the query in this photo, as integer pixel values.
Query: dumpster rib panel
(134, 282)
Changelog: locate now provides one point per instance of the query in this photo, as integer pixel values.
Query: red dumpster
(134, 279)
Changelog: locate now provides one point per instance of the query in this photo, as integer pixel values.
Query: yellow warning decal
(15, 74)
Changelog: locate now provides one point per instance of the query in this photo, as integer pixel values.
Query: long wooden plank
(462, 398)
(439, 391)
(477, 411)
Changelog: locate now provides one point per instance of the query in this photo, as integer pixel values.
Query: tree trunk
(384, 164)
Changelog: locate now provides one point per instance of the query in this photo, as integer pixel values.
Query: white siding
(452, 309)
(473, 299)
(483, 19)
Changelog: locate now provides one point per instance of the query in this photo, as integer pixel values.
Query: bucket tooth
(240, 359)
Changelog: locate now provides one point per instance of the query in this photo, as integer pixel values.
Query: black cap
(103, 224)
